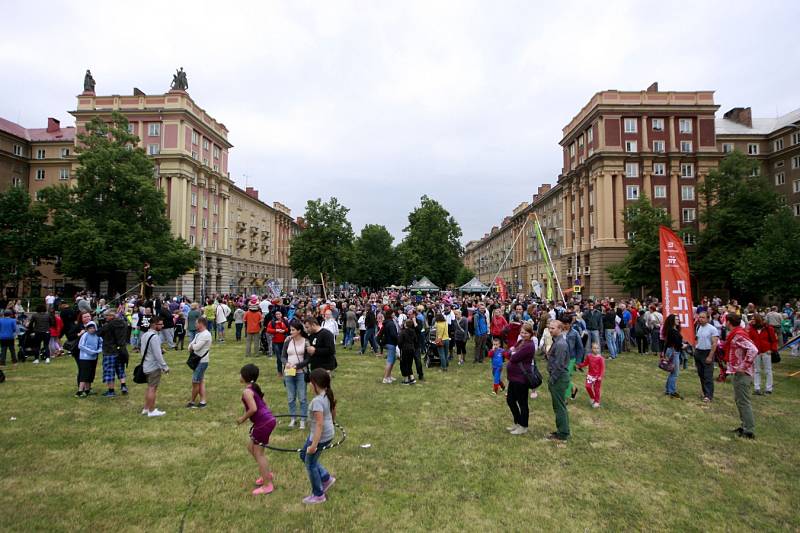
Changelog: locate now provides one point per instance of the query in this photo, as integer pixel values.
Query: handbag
(194, 360)
(70, 345)
(666, 365)
(776, 357)
(138, 372)
(533, 376)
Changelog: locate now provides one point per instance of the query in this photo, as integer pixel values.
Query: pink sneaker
(327, 484)
(260, 481)
(314, 499)
(266, 489)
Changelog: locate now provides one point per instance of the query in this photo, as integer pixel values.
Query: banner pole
(507, 254)
(549, 261)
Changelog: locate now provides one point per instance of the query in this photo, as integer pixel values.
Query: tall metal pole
(549, 259)
(510, 249)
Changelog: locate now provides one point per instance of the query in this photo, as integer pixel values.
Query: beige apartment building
(243, 241)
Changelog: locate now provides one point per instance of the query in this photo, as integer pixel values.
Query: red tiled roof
(37, 134)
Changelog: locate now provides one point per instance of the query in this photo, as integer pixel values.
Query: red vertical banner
(501, 288)
(676, 287)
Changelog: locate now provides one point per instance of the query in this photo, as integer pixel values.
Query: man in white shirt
(265, 305)
(707, 340)
(330, 323)
(200, 345)
(222, 312)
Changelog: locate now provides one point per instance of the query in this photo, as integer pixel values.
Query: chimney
(53, 125)
(251, 192)
(740, 115)
(653, 87)
(543, 189)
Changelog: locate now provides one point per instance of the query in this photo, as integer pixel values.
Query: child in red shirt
(594, 378)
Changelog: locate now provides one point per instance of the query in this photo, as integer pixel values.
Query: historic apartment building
(625, 144)
(243, 241)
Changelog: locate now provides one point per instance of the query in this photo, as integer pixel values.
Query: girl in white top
(293, 355)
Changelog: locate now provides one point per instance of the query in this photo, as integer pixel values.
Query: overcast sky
(379, 102)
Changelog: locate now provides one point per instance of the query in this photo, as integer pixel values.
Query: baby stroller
(27, 346)
(432, 351)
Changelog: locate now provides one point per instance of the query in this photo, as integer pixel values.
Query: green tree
(325, 245)
(464, 275)
(22, 232)
(734, 207)
(431, 247)
(770, 266)
(376, 263)
(641, 267)
(114, 219)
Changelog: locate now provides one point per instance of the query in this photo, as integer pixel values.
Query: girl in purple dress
(263, 423)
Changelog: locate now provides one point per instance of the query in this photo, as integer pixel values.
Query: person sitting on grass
(89, 346)
(594, 378)
(322, 411)
(497, 356)
(264, 423)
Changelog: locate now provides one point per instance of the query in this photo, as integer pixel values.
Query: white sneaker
(47, 361)
(512, 428)
(144, 411)
(35, 361)
(302, 424)
(292, 422)
(595, 405)
(156, 412)
(387, 381)
(520, 431)
(391, 379)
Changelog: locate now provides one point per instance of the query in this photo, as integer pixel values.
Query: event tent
(473, 285)
(424, 285)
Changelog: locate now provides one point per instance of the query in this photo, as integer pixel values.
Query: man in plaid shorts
(115, 337)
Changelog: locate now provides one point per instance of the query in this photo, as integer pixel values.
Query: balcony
(254, 230)
(241, 243)
(241, 226)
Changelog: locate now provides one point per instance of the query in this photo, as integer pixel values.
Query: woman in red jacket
(498, 326)
(766, 341)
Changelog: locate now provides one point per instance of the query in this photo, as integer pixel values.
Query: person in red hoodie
(55, 334)
(740, 352)
(278, 327)
(498, 326)
(766, 341)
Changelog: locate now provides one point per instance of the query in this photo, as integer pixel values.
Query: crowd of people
(422, 331)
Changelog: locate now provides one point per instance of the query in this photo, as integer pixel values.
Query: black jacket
(609, 320)
(408, 341)
(324, 355)
(115, 336)
(388, 334)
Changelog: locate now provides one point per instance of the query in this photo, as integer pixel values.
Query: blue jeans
(443, 353)
(672, 379)
(620, 340)
(349, 335)
(277, 348)
(317, 474)
(391, 354)
(296, 390)
(369, 338)
(611, 343)
(594, 336)
(192, 334)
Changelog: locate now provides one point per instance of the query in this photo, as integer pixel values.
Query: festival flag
(543, 251)
(676, 286)
(501, 288)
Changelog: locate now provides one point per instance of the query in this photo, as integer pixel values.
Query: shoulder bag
(532, 375)
(138, 372)
(194, 360)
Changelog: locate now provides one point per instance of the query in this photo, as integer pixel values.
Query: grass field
(440, 459)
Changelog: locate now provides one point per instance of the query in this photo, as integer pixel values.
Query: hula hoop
(342, 432)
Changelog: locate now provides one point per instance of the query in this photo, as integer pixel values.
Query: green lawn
(440, 459)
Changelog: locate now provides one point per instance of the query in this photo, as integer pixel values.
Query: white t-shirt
(264, 305)
(222, 313)
(362, 323)
(704, 335)
(201, 344)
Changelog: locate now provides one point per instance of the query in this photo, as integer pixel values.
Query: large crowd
(421, 331)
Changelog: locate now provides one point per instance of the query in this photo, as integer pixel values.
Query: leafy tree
(431, 247)
(734, 207)
(464, 275)
(114, 219)
(770, 266)
(326, 244)
(22, 231)
(641, 266)
(376, 262)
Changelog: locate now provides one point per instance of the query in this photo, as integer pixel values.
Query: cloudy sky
(379, 102)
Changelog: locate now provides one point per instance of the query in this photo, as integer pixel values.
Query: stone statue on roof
(88, 82)
(179, 81)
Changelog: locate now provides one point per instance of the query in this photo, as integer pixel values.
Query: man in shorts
(154, 365)
(201, 346)
(115, 338)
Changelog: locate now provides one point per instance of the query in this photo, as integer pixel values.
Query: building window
(16, 181)
(780, 178)
(64, 152)
(755, 172)
(796, 161)
(630, 146)
(779, 164)
(191, 240)
(686, 146)
(216, 153)
(39, 174)
(659, 169)
(658, 147)
(727, 148)
(39, 196)
(195, 137)
(631, 235)
(660, 191)
(687, 170)
(205, 223)
(689, 214)
(205, 144)
(194, 199)
(194, 154)
(205, 161)
(572, 150)
(63, 173)
(590, 135)
(193, 221)
(687, 193)
(17, 150)
(685, 125)
(752, 149)
(130, 127)
(632, 170)
(216, 168)
(658, 124)
(154, 130)
(796, 186)
(795, 138)
(40, 153)
(779, 145)
(216, 208)
(591, 219)
(214, 244)
(632, 192)
(630, 125)
(688, 238)
(205, 202)
(153, 149)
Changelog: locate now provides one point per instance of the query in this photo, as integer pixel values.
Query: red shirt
(499, 323)
(765, 339)
(274, 326)
(596, 364)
